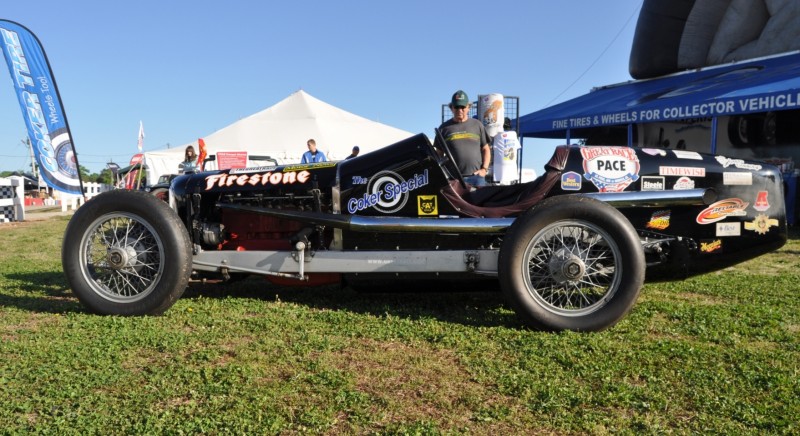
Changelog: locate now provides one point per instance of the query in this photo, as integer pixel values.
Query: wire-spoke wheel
(124, 257)
(572, 263)
(572, 268)
(126, 253)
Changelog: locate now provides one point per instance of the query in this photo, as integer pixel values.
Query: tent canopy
(759, 85)
(281, 132)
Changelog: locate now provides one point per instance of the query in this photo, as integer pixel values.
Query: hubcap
(566, 267)
(121, 257)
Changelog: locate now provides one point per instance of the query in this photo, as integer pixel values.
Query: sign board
(231, 159)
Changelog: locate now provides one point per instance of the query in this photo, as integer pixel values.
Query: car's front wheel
(571, 263)
(126, 253)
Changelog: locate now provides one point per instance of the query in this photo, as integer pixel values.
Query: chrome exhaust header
(685, 197)
(358, 223)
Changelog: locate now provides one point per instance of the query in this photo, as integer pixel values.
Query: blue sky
(189, 68)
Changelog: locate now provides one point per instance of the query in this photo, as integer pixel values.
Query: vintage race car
(569, 250)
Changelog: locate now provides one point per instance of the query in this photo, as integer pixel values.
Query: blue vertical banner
(41, 108)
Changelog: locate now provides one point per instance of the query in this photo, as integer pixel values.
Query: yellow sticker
(427, 205)
(761, 224)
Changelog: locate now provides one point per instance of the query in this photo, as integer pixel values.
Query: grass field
(716, 354)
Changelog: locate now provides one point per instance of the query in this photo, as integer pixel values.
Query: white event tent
(281, 132)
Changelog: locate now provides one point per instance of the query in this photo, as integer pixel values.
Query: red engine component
(249, 231)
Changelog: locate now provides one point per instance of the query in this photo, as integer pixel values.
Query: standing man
(468, 141)
(313, 155)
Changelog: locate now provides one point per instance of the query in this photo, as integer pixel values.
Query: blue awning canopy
(759, 85)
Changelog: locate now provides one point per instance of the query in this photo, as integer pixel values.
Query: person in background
(313, 155)
(189, 163)
(354, 153)
(467, 140)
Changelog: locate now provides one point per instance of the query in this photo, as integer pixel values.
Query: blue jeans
(475, 180)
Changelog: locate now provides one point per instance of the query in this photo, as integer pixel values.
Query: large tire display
(126, 253)
(571, 263)
(161, 194)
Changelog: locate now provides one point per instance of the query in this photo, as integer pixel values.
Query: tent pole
(713, 135)
(630, 135)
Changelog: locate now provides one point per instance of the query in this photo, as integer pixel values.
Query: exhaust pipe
(685, 197)
(358, 223)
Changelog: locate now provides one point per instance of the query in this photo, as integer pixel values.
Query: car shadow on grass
(422, 301)
(39, 292)
(47, 292)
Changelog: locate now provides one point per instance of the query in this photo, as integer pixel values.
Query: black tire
(126, 253)
(571, 263)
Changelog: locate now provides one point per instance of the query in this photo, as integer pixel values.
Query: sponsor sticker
(737, 163)
(682, 171)
(659, 220)
(729, 229)
(610, 169)
(711, 246)
(683, 183)
(762, 202)
(684, 154)
(654, 151)
(308, 166)
(653, 183)
(571, 181)
(427, 205)
(387, 192)
(761, 224)
(737, 178)
(722, 209)
(257, 179)
(252, 170)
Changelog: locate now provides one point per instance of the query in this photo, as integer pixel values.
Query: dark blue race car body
(570, 250)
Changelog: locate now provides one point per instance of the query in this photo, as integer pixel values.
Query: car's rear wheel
(571, 263)
(126, 253)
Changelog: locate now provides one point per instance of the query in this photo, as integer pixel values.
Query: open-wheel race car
(570, 250)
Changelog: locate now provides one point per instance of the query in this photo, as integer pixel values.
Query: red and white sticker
(610, 169)
(684, 183)
(682, 171)
(762, 201)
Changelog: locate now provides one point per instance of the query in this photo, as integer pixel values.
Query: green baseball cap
(460, 99)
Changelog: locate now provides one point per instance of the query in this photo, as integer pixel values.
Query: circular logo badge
(66, 160)
(384, 184)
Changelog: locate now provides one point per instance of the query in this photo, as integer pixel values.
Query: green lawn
(715, 354)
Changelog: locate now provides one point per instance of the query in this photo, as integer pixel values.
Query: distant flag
(202, 154)
(41, 107)
(141, 136)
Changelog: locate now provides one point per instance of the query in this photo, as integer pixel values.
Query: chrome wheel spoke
(572, 267)
(123, 257)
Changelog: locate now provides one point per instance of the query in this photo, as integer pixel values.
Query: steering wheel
(446, 162)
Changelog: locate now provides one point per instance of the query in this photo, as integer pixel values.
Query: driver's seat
(506, 201)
